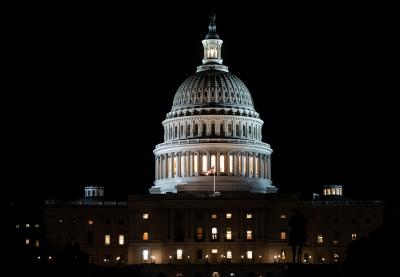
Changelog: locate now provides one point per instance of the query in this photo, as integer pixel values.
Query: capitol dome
(213, 88)
(213, 134)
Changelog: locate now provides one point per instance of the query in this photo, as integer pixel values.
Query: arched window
(90, 238)
(145, 236)
(213, 129)
(176, 131)
(221, 163)
(214, 233)
(188, 130)
(196, 130)
(204, 131)
(229, 129)
(237, 130)
(181, 132)
(244, 130)
(221, 129)
(213, 160)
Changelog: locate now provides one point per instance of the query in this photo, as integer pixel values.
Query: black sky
(88, 86)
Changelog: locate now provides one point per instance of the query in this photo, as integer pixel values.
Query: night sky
(90, 85)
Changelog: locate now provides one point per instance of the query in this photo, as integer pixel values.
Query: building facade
(213, 200)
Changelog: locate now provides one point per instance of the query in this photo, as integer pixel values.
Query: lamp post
(242, 258)
(275, 257)
(206, 259)
(279, 258)
(259, 258)
(170, 259)
(310, 259)
(188, 259)
(152, 259)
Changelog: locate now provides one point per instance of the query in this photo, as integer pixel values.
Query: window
(90, 222)
(248, 216)
(249, 255)
(230, 163)
(179, 253)
(27, 241)
(222, 163)
(249, 234)
(251, 166)
(228, 215)
(283, 255)
(60, 220)
(174, 166)
(228, 233)
(213, 162)
(283, 216)
(214, 233)
(204, 164)
(214, 216)
(145, 216)
(27, 225)
(320, 239)
(145, 255)
(354, 236)
(214, 251)
(229, 254)
(145, 236)
(107, 239)
(36, 225)
(283, 235)
(199, 233)
(121, 239)
(37, 243)
(16, 226)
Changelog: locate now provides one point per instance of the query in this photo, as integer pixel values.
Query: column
(178, 164)
(184, 164)
(217, 163)
(156, 169)
(208, 160)
(171, 166)
(248, 165)
(261, 166)
(254, 165)
(199, 162)
(269, 167)
(242, 162)
(265, 167)
(235, 167)
(226, 160)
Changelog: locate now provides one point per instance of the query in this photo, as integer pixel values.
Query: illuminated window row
(229, 216)
(214, 234)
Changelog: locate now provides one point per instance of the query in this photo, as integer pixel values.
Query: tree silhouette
(297, 235)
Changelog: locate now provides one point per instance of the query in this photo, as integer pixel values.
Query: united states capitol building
(213, 200)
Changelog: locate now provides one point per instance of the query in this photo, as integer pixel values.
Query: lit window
(175, 161)
(37, 243)
(335, 241)
(283, 254)
(214, 251)
(60, 220)
(199, 233)
(145, 255)
(26, 241)
(283, 235)
(249, 235)
(214, 216)
(230, 163)
(283, 216)
(145, 216)
(251, 166)
(244, 165)
(195, 163)
(249, 255)
(90, 222)
(204, 164)
(107, 239)
(16, 226)
(353, 236)
(27, 225)
(222, 163)
(229, 254)
(248, 216)
(228, 233)
(214, 233)
(228, 215)
(121, 239)
(320, 239)
(36, 225)
(179, 253)
(145, 236)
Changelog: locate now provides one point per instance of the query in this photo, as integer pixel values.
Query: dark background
(87, 88)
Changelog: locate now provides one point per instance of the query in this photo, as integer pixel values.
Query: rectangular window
(27, 225)
(195, 161)
(251, 166)
(214, 251)
(145, 236)
(249, 235)
(249, 255)
(199, 233)
(230, 163)
(320, 239)
(107, 239)
(283, 235)
(248, 216)
(145, 255)
(36, 225)
(204, 168)
(121, 239)
(214, 233)
(175, 161)
(27, 241)
(222, 163)
(354, 236)
(37, 243)
(145, 216)
(179, 254)
(214, 216)
(283, 216)
(283, 255)
(229, 254)
(228, 215)
(228, 233)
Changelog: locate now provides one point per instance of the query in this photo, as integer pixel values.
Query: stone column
(269, 167)
(248, 165)
(217, 163)
(171, 166)
(254, 165)
(242, 162)
(199, 162)
(266, 166)
(184, 164)
(235, 167)
(156, 169)
(226, 160)
(190, 163)
(262, 166)
(208, 160)
(178, 164)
